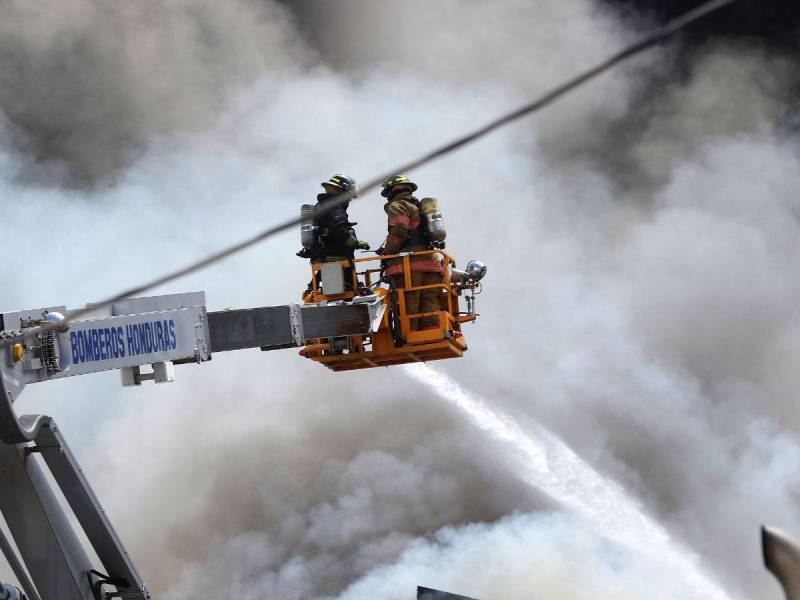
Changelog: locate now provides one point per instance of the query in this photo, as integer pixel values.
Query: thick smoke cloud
(312, 501)
(516, 557)
(732, 90)
(86, 85)
(519, 46)
(638, 110)
(647, 316)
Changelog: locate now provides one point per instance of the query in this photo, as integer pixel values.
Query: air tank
(430, 208)
(307, 235)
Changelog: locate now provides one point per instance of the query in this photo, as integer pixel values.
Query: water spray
(549, 465)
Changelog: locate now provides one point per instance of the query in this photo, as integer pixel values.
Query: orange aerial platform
(394, 339)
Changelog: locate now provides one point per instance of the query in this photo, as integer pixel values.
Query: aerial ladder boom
(50, 562)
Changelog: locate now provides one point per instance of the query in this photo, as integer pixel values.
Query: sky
(641, 238)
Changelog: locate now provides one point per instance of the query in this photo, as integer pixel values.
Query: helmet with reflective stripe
(395, 180)
(342, 182)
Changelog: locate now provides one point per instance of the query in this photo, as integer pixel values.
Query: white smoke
(650, 325)
(544, 555)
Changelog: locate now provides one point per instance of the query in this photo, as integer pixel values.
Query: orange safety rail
(396, 341)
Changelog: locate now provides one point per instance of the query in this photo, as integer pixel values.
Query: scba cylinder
(307, 235)
(433, 215)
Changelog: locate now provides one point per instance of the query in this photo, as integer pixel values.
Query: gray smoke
(551, 556)
(311, 501)
(732, 91)
(86, 85)
(631, 126)
(645, 315)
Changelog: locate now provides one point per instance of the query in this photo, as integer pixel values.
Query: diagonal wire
(647, 41)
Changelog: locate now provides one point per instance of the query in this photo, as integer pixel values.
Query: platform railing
(445, 317)
(364, 276)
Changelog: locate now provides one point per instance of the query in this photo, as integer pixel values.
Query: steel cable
(644, 43)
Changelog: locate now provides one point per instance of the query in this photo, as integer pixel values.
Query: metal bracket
(296, 322)
(163, 372)
(130, 376)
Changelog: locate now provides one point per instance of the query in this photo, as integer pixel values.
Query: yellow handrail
(368, 273)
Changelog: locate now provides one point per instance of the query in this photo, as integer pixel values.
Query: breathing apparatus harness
(312, 237)
(431, 232)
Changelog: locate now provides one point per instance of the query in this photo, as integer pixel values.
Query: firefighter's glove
(362, 245)
(380, 251)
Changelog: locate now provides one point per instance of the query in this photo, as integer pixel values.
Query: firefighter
(335, 237)
(408, 233)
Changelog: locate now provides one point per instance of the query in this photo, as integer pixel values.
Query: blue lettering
(101, 343)
(85, 345)
(141, 346)
(73, 341)
(121, 337)
(95, 345)
(129, 337)
(160, 335)
(128, 340)
(142, 339)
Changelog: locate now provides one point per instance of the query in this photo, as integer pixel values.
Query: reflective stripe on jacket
(406, 234)
(418, 263)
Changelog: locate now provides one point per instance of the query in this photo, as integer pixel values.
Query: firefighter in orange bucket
(410, 231)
